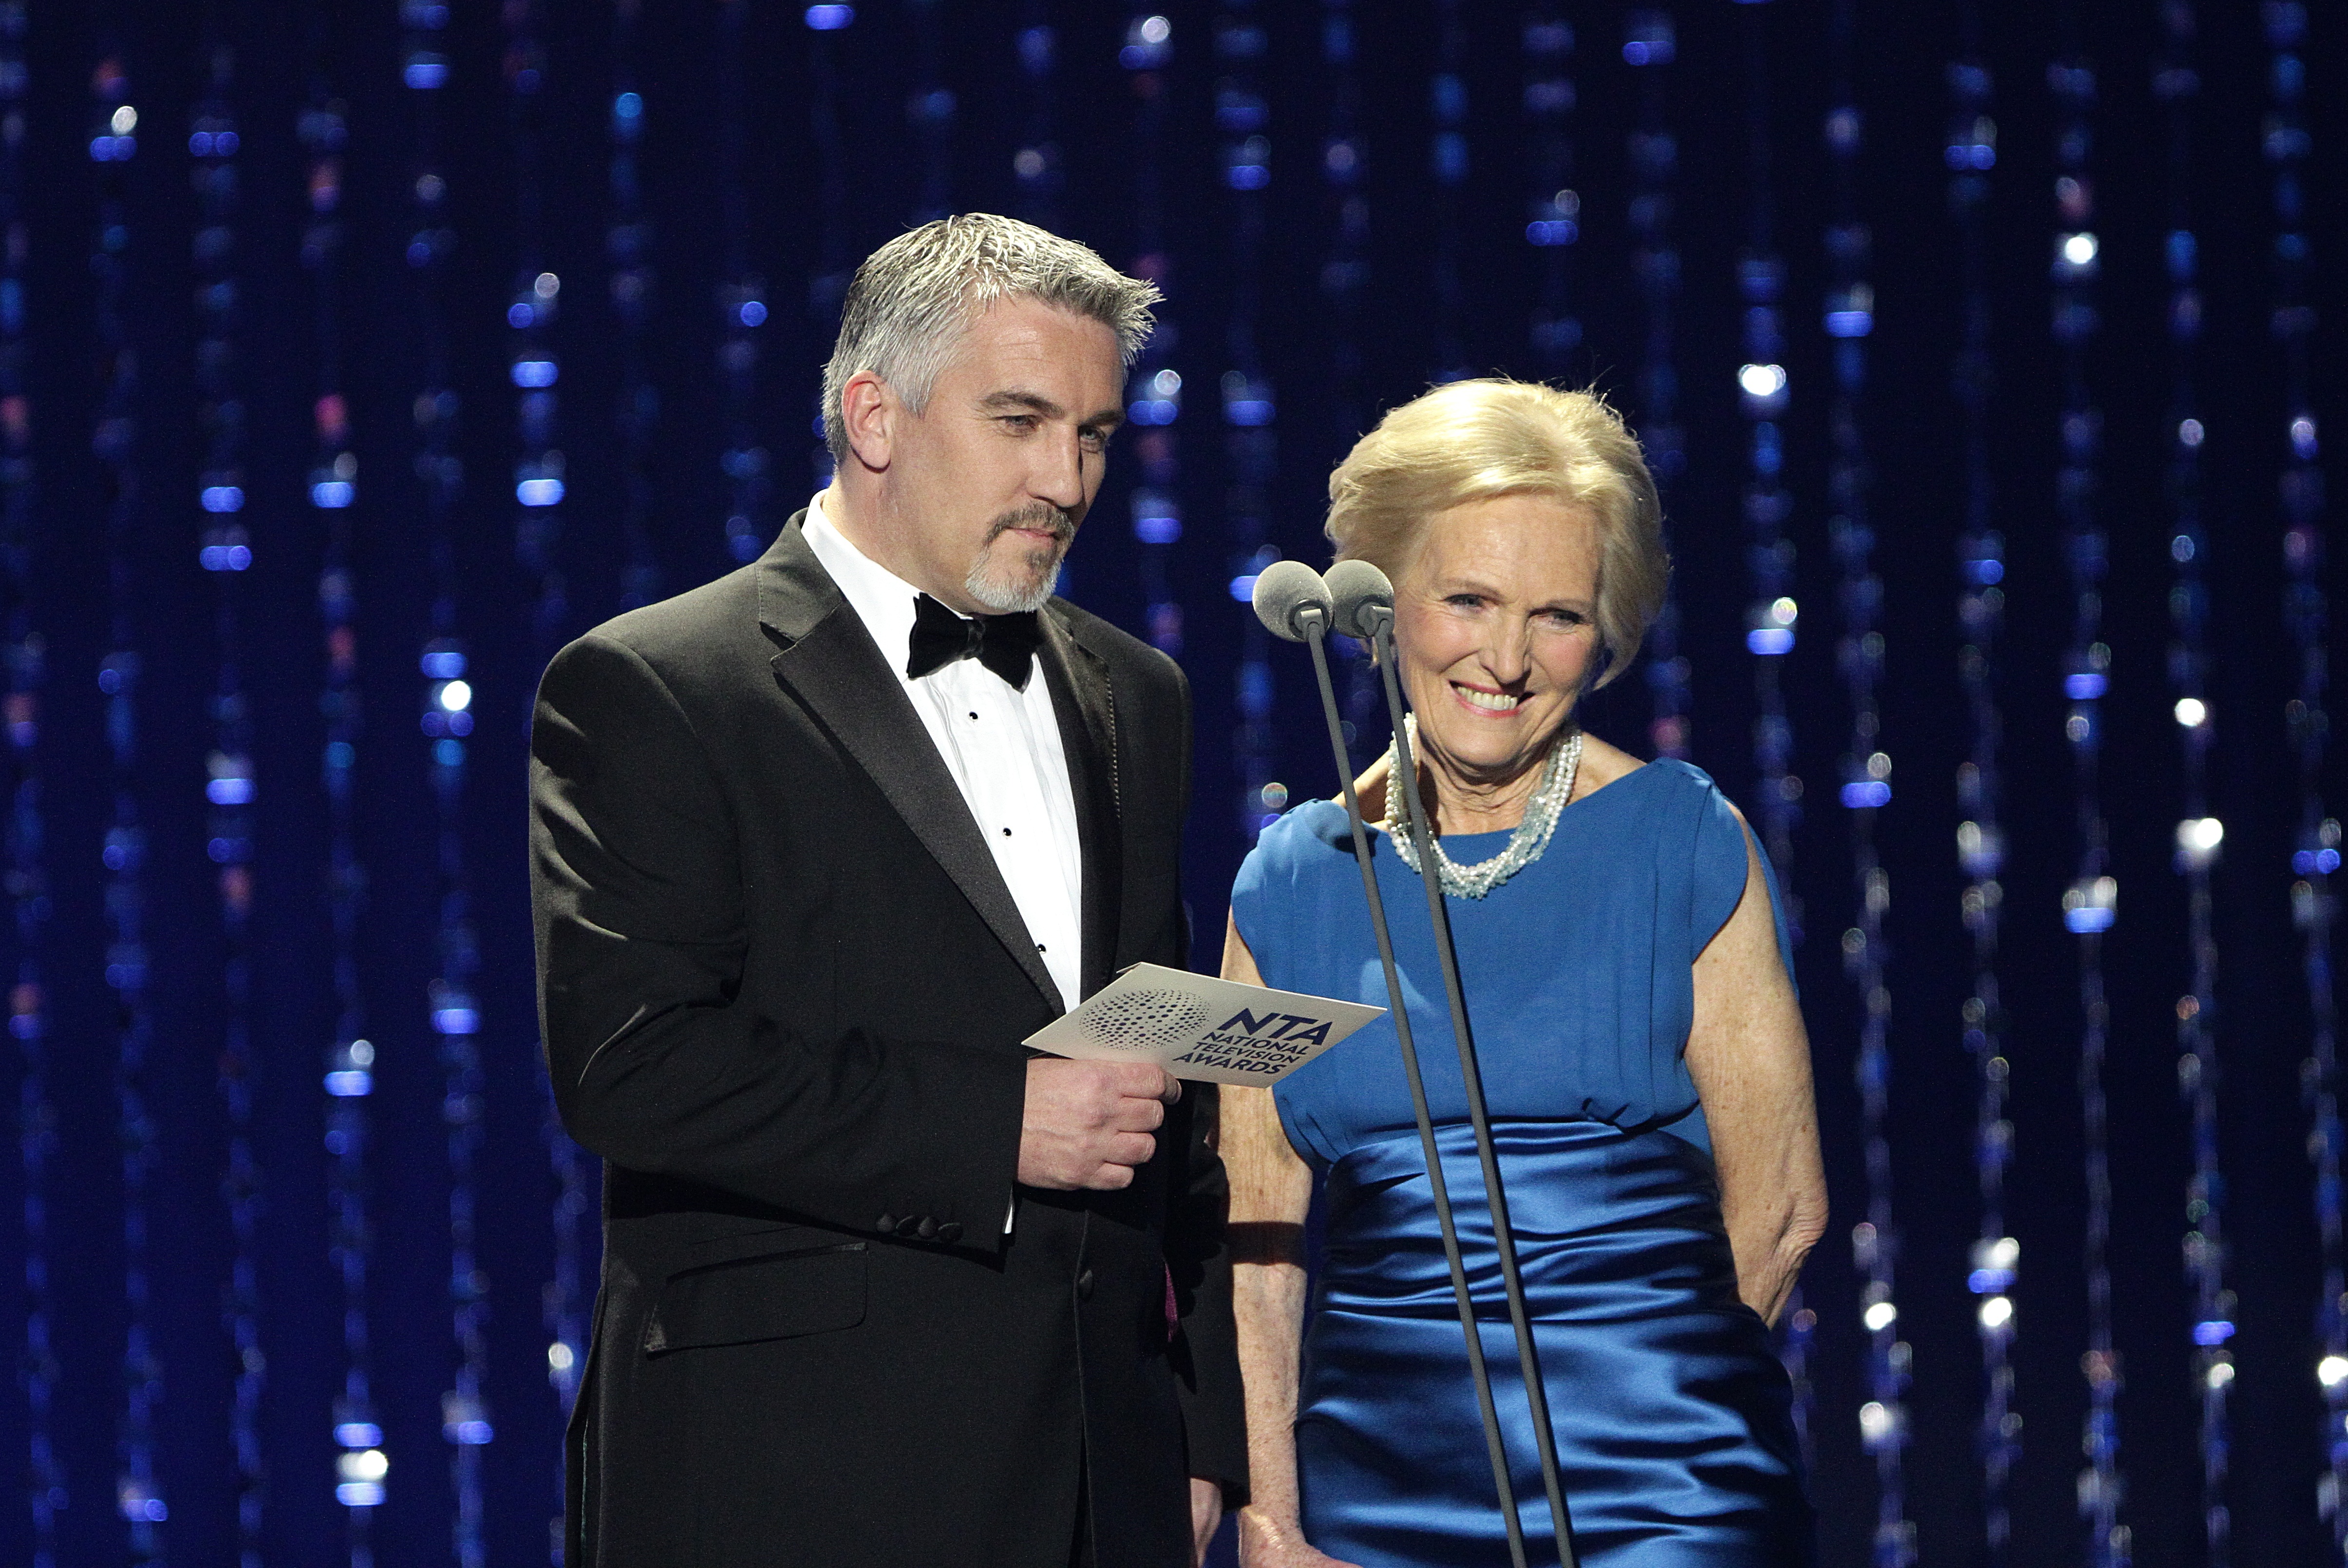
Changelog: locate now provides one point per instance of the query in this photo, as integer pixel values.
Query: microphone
(1364, 599)
(1292, 602)
(1288, 595)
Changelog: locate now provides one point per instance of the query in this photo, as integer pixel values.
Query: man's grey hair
(910, 302)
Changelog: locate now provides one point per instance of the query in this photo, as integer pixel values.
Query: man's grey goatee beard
(1007, 589)
(1013, 598)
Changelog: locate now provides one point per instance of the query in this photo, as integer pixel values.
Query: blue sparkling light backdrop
(353, 356)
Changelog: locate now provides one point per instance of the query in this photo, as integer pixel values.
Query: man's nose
(1059, 474)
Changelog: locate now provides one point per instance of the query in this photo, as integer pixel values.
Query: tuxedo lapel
(1086, 707)
(830, 663)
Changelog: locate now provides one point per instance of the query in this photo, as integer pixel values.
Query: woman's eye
(1465, 600)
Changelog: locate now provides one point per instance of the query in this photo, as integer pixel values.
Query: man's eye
(1093, 440)
(1466, 602)
(1021, 423)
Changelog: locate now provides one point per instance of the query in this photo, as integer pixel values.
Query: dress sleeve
(1255, 898)
(1720, 872)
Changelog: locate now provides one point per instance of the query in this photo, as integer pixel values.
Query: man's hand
(1088, 1123)
(1206, 1515)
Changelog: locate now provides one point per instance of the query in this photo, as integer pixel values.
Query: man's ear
(868, 412)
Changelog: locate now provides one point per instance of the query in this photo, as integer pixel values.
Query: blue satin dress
(1670, 1411)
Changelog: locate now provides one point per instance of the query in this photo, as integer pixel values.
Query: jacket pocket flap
(775, 1295)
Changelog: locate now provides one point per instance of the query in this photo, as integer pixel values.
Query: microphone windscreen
(1284, 590)
(1355, 586)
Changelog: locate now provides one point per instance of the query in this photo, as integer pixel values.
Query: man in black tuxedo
(813, 848)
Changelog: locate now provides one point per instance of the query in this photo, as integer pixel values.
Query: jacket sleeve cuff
(1214, 1414)
(960, 1188)
(1218, 1455)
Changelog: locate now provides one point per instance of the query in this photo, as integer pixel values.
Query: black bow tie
(1003, 643)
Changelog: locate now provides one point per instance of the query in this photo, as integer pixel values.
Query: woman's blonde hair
(1475, 440)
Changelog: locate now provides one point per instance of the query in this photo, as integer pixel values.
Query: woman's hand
(1265, 1543)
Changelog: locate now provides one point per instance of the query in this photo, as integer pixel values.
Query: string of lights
(1037, 164)
(2315, 854)
(1154, 402)
(535, 370)
(447, 720)
(627, 246)
(1553, 214)
(1848, 321)
(1764, 398)
(741, 297)
(1345, 217)
(1650, 43)
(931, 108)
(1969, 153)
(2176, 84)
(1447, 159)
(1250, 444)
(566, 1297)
(26, 831)
(357, 1432)
(113, 144)
(628, 249)
(226, 553)
(1763, 395)
(1344, 284)
(2090, 904)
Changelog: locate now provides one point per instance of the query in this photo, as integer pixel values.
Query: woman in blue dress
(1644, 1059)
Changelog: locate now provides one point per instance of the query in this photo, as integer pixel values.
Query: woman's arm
(1271, 1190)
(1751, 1063)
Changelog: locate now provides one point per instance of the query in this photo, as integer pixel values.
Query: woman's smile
(1481, 699)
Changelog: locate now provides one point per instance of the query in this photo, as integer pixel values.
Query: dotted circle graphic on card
(1139, 1020)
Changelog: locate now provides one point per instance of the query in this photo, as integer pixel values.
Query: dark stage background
(293, 434)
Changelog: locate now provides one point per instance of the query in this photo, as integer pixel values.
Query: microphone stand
(1314, 622)
(1379, 621)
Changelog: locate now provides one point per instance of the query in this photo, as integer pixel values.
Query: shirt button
(1007, 833)
(974, 715)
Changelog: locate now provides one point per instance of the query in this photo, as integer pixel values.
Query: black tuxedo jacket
(783, 986)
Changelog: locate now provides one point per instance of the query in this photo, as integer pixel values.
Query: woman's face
(1496, 626)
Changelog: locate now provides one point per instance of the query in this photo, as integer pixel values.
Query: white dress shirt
(1002, 746)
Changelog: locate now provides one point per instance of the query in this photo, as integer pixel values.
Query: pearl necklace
(1524, 845)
